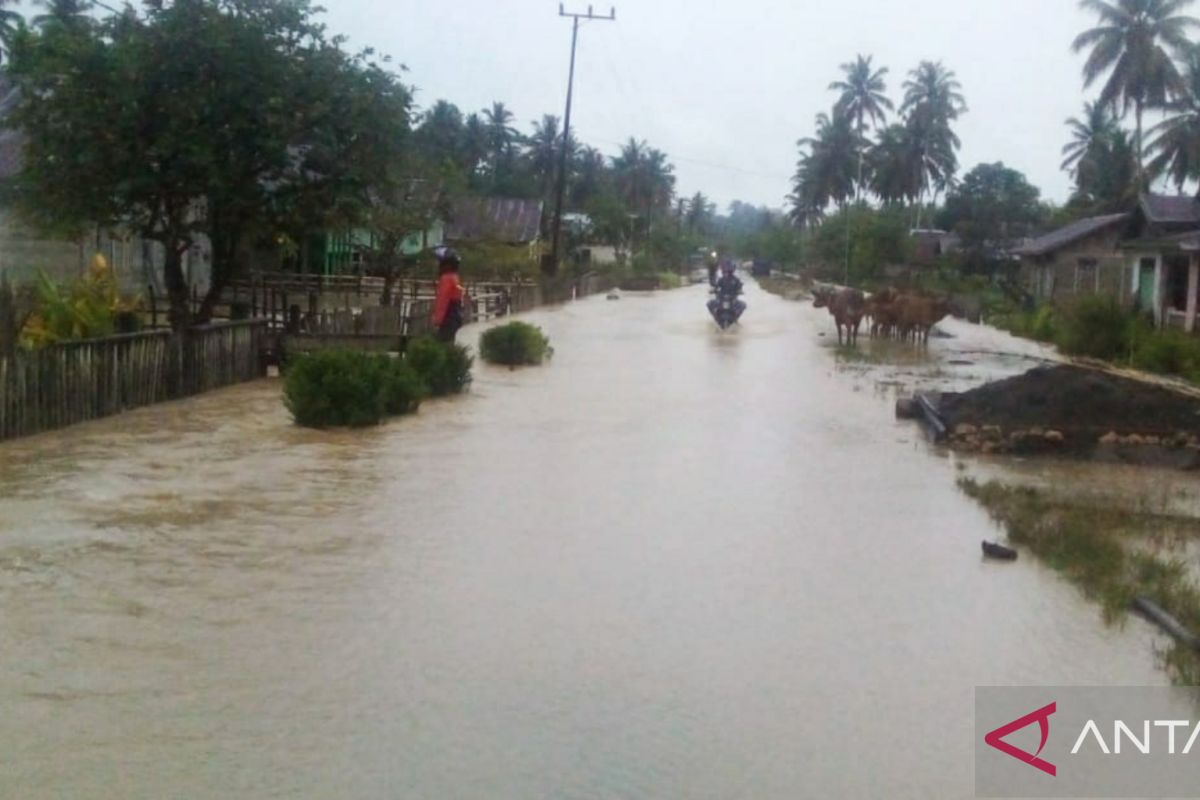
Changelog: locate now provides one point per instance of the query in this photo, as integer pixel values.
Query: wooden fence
(72, 382)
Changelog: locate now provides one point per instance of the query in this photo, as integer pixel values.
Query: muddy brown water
(674, 563)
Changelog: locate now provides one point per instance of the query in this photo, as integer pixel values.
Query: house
(495, 220)
(1148, 259)
(1082, 258)
(928, 245)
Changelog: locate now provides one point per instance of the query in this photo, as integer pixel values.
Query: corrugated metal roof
(1056, 240)
(1166, 209)
(494, 219)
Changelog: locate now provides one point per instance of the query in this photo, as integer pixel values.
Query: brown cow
(881, 308)
(916, 315)
(846, 306)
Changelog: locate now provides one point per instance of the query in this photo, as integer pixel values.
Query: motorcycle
(725, 310)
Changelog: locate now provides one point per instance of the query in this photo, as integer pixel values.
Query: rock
(1037, 432)
(992, 432)
(964, 430)
(989, 448)
(1135, 440)
(1016, 437)
(1055, 437)
(1179, 440)
(1151, 440)
(1110, 438)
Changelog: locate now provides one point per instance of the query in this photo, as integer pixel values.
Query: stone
(992, 432)
(1037, 432)
(1110, 438)
(964, 430)
(1055, 437)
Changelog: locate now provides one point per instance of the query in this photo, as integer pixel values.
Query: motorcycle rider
(728, 285)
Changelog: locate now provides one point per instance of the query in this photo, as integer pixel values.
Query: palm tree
(502, 137)
(63, 11)
(474, 144)
(826, 169)
(645, 180)
(541, 149)
(589, 173)
(862, 98)
(1133, 45)
(11, 23)
(1089, 131)
(933, 100)
(893, 163)
(1175, 145)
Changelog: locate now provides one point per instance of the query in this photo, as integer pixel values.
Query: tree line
(246, 123)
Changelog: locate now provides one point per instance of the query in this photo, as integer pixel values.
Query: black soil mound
(1075, 401)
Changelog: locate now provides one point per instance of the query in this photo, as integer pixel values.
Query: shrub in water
(403, 387)
(445, 368)
(515, 344)
(1096, 326)
(334, 388)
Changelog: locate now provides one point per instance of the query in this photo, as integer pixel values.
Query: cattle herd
(907, 315)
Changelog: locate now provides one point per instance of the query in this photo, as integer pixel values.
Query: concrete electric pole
(562, 159)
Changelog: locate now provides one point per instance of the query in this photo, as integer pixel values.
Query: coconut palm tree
(893, 162)
(541, 148)
(699, 213)
(862, 98)
(1175, 142)
(502, 137)
(933, 100)
(1133, 45)
(474, 144)
(1089, 131)
(10, 23)
(63, 11)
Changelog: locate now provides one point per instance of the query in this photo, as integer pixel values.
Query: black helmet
(447, 255)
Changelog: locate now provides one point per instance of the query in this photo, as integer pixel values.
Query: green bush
(1167, 352)
(403, 387)
(445, 368)
(336, 388)
(515, 344)
(1096, 326)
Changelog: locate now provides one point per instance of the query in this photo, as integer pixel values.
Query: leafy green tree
(894, 167)
(1133, 45)
(201, 118)
(63, 12)
(991, 208)
(699, 214)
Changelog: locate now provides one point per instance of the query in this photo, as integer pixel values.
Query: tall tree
(502, 140)
(894, 162)
(992, 207)
(1133, 45)
(11, 22)
(1089, 132)
(65, 12)
(933, 101)
(862, 98)
(699, 213)
(1175, 144)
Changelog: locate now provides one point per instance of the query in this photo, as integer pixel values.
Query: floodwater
(671, 564)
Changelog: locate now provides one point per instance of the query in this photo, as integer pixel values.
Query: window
(1086, 275)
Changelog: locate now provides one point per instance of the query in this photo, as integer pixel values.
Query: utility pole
(562, 160)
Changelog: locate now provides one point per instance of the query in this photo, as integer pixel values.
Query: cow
(846, 306)
(916, 315)
(881, 309)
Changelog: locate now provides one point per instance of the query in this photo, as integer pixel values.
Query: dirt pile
(1062, 407)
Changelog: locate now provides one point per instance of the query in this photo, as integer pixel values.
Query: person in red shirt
(450, 297)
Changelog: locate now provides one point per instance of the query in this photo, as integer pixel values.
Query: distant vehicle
(761, 268)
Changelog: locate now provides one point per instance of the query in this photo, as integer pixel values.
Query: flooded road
(671, 564)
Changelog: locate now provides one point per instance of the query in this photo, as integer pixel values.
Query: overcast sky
(726, 88)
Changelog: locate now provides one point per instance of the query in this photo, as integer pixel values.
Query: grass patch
(1108, 552)
(340, 388)
(515, 344)
(445, 368)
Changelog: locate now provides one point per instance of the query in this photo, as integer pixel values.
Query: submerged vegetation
(1113, 554)
(515, 344)
(340, 388)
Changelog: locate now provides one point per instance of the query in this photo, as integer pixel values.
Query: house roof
(495, 219)
(1167, 209)
(1056, 240)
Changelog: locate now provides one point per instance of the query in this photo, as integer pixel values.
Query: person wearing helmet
(728, 285)
(448, 301)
